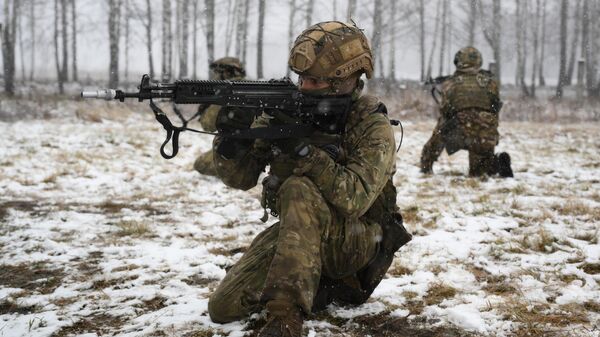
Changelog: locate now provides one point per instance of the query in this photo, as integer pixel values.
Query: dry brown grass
(539, 320)
(590, 236)
(10, 307)
(591, 268)
(399, 270)
(542, 241)
(133, 228)
(37, 277)
(411, 215)
(592, 306)
(127, 267)
(577, 208)
(101, 324)
(438, 292)
(112, 282)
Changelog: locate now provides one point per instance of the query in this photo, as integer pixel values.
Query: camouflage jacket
(352, 184)
(469, 110)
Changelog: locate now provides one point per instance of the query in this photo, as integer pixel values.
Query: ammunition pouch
(271, 185)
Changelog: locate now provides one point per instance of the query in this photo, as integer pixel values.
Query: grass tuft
(133, 228)
(438, 292)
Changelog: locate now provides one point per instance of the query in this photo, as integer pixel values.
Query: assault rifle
(298, 115)
(434, 82)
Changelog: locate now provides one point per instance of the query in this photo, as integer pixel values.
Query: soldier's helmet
(331, 50)
(468, 57)
(228, 67)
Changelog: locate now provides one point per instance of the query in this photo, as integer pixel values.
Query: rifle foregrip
(107, 94)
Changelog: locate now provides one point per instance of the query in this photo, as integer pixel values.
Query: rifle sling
(272, 132)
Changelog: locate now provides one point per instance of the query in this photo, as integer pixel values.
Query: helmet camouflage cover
(468, 57)
(331, 50)
(232, 65)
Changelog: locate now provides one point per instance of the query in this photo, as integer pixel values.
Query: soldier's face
(309, 83)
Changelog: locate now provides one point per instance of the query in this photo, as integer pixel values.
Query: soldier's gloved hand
(295, 147)
(230, 120)
(332, 150)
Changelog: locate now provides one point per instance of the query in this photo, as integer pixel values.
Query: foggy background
(448, 25)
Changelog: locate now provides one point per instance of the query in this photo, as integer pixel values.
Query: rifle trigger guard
(172, 131)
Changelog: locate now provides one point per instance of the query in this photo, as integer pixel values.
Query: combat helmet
(331, 51)
(468, 57)
(228, 68)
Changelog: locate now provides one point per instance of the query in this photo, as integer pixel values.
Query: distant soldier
(226, 68)
(469, 108)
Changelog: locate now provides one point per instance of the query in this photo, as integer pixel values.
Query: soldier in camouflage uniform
(226, 68)
(339, 225)
(468, 118)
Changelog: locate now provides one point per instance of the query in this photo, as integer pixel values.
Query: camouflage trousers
(471, 130)
(288, 260)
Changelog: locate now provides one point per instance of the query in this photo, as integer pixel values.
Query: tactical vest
(470, 91)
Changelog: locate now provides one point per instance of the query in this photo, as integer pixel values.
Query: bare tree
(542, 79)
(310, 5)
(536, 36)
(65, 45)
(472, 21)
(259, 47)
(435, 34)
(59, 72)
(239, 31)
(21, 49)
(562, 72)
(492, 32)
(114, 15)
(167, 40)
(245, 35)
(127, 16)
(351, 9)
(32, 23)
(231, 18)
(392, 28)
(334, 10)
(194, 39)
(588, 40)
(184, 40)
(73, 40)
(574, 43)
(376, 38)
(443, 35)
(291, 30)
(422, 37)
(148, 27)
(210, 30)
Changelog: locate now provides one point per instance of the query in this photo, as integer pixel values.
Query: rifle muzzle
(107, 94)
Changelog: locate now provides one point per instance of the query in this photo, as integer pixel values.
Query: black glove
(230, 120)
(295, 147)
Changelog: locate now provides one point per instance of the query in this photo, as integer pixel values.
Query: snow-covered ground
(99, 235)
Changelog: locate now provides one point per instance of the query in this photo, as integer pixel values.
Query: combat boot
(283, 320)
(504, 169)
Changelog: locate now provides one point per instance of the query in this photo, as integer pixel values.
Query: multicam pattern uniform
(208, 119)
(467, 121)
(324, 228)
